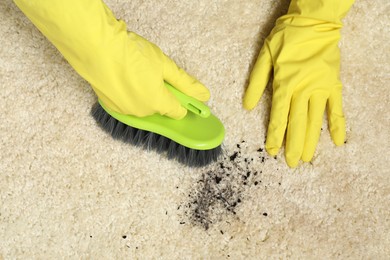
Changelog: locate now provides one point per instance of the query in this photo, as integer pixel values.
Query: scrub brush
(194, 140)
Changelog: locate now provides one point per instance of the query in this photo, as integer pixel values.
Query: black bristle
(119, 127)
(138, 137)
(172, 150)
(192, 155)
(128, 134)
(150, 141)
(162, 144)
(153, 141)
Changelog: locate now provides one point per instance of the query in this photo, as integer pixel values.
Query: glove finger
(317, 104)
(336, 117)
(296, 130)
(258, 79)
(278, 120)
(169, 105)
(182, 81)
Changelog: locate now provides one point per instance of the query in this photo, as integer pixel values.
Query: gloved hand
(303, 52)
(126, 71)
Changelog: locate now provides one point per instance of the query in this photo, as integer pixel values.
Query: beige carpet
(67, 190)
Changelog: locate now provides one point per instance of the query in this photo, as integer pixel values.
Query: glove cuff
(326, 10)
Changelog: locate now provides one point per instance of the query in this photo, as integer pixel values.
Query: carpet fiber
(68, 190)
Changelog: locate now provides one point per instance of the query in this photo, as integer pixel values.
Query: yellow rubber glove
(126, 71)
(303, 52)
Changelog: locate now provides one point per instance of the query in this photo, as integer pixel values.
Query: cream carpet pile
(68, 190)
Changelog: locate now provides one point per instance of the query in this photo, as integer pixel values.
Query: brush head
(196, 154)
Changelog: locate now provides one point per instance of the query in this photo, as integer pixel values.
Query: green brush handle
(195, 106)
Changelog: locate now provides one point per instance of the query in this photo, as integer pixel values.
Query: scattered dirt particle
(222, 187)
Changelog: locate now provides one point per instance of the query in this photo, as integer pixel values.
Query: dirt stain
(222, 187)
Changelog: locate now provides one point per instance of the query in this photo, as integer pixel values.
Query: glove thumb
(170, 105)
(259, 78)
